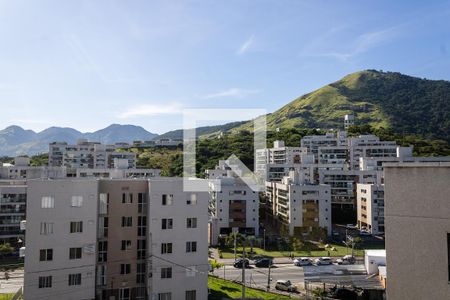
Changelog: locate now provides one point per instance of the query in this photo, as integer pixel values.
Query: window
(140, 273)
(166, 248)
(47, 202)
(126, 245)
(127, 198)
(191, 246)
(167, 223)
(45, 282)
(124, 294)
(142, 203)
(77, 201)
(167, 199)
(125, 269)
(165, 296)
(46, 228)
(142, 226)
(141, 249)
(74, 253)
(191, 295)
(102, 251)
(192, 200)
(75, 279)
(191, 222)
(101, 275)
(127, 221)
(104, 203)
(45, 254)
(140, 293)
(76, 227)
(166, 272)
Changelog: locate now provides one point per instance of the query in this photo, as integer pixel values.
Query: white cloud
(144, 110)
(246, 45)
(232, 92)
(360, 44)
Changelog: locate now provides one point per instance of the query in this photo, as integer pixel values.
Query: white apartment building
(61, 237)
(370, 207)
(21, 169)
(279, 155)
(115, 239)
(178, 230)
(233, 206)
(313, 142)
(300, 207)
(417, 216)
(13, 197)
(369, 146)
(86, 154)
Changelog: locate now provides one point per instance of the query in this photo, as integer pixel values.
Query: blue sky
(87, 64)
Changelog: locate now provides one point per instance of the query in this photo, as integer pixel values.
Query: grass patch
(220, 288)
(6, 296)
(341, 250)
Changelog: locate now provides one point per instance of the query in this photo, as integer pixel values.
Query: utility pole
(235, 256)
(243, 271)
(268, 277)
(264, 239)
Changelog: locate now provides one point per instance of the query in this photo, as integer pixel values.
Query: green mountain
(404, 104)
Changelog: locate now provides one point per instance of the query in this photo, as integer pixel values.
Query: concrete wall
(417, 200)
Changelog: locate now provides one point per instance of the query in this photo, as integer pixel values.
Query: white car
(346, 260)
(285, 285)
(323, 261)
(302, 261)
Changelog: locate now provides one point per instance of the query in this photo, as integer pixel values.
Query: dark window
(127, 221)
(46, 254)
(167, 223)
(166, 248)
(191, 295)
(125, 269)
(75, 279)
(76, 227)
(45, 282)
(448, 251)
(166, 272)
(74, 253)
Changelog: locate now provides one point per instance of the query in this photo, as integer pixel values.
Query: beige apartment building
(418, 230)
(299, 207)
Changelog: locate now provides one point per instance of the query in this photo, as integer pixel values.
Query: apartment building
(61, 237)
(278, 155)
(21, 169)
(115, 239)
(298, 206)
(417, 217)
(370, 207)
(369, 146)
(313, 142)
(86, 154)
(178, 231)
(13, 197)
(233, 206)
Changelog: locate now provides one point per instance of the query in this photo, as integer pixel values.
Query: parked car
(285, 285)
(346, 260)
(263, 262)
(302, 261)
(323, 261)
(238, 263)
(364, 233)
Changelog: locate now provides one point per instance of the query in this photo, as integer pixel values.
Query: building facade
(417, 230)
(370, 208)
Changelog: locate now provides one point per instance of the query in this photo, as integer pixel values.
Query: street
(336, 274)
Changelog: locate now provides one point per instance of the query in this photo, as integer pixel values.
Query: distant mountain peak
(14, 140)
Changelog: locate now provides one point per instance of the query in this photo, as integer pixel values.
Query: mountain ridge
(14, 140)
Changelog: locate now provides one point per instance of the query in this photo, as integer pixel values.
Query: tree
(319, 293)
(6, 249)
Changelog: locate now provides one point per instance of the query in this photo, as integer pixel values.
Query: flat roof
(443, 162)
(377, 252)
